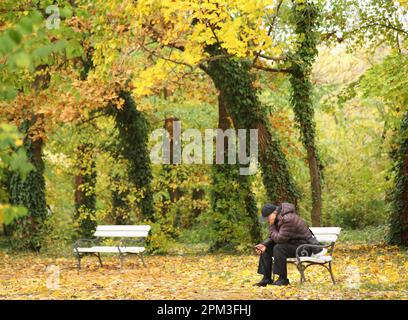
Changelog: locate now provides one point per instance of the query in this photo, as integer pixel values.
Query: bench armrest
(301, 251)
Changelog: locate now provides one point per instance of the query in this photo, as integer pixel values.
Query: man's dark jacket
(288, 228)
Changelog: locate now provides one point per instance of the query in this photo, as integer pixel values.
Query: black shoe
(281, 282)
(263, 283)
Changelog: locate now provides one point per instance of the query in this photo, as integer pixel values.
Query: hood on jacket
(287, 208)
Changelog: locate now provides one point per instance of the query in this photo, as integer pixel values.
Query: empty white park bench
(131, 241)
(327, 236)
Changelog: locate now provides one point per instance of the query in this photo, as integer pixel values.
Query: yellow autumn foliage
(187, 28)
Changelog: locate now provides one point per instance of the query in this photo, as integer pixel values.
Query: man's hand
(272, 218)
(260, 248)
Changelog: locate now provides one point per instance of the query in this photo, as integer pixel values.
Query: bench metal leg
(327, 266)
(331, 273)
(99, 258)
(78, 256)
(141, 257)
(301, 270)
(121, 258)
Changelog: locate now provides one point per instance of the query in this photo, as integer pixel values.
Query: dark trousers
(279, 253)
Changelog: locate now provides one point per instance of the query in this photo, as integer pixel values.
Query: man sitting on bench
(287, 231)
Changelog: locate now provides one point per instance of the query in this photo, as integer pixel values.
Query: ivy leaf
(6, 45)
(66, 12)
(25, 25)
(74, 49)
(10, 213)
(22, 60)
(8, 93)
(43, 51)
(15, 36)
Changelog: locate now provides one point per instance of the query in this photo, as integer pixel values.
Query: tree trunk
(399, 215)
(175, 193)
(197, 196)
(316, 187)
(172, 178)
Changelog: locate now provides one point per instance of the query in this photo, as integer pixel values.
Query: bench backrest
(326, 234)
(122, 231)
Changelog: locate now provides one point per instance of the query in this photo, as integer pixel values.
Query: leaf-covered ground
(362, 271)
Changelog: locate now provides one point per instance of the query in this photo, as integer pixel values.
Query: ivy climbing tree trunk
(233, 79)
(120, 207)
(133, 139)
(27, 232)
(305, 16)
(85, 197)
(198, 195)
(86, 175)
(398, 233)
(232, 201)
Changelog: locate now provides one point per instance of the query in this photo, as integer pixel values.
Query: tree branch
(272, 24)
(275, 70)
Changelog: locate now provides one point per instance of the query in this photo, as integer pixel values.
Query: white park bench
(131, 242)
(327, 236)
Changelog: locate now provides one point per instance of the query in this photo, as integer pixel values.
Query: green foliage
(180, 197)
(85, 197)
(13, 213)
(368, 235)
(13, 159)
(233, 223)
(369, 25)
(159, 240)
(27, 43)
(387, 81)
(356, 168)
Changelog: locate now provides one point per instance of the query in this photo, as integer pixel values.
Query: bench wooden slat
(122, 228)
(326, 238)
(326, 230)
(317, 259)
(112, 249)
(120, 233)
